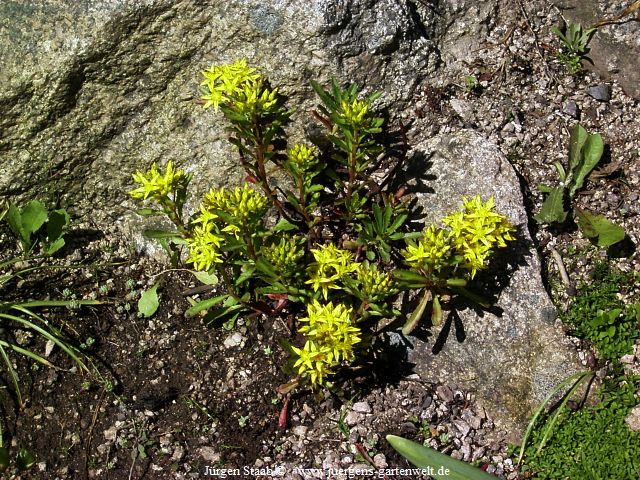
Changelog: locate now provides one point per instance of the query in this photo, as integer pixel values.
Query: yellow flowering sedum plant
(445, 260)
(329, 247)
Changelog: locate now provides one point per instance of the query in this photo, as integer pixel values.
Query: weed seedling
(342, 424)
(574, 50)
(585, 151)
(243, 420)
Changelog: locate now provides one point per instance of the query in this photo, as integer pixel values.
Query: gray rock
(601, 92)
(380, 461)
(361, 407)
(571, 108)
(462, 426)
(463, 109)
(300, 430)
(233, 340)
(633, 419)
(209, 455)
(513, 355)
(111, 434)
(352, 418)
(445, 393)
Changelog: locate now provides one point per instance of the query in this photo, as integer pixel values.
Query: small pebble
(361, 407)
(571, 108)
(601, 92)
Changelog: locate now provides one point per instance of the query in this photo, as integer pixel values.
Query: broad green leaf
(247, 273)
(398, 222)
(284, 225)
(214, 315)
(33, 216)
(439, 465)
(57, 222)
(149, 302)
(598, 228)
(591, 155)
(266, 268)
(14, 219)
(377, 215)
(577, 139)
(206, 277)
(552, 210)
(51, 248)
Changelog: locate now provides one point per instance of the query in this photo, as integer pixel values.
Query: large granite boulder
(513, 355)
(91, 91)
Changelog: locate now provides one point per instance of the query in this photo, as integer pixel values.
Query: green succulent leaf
(205, 305)
(436, 312)
(410, 278)
(417, 314)
(160, 234)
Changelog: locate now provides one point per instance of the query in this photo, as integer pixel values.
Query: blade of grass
(578, 378)
(12, 374)
(68, 349)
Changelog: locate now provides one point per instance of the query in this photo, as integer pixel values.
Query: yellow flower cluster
(303, 157)
(156, 185)
(223, 211)
(238, 86)
(204, 247)
(473, 234)
(284, 256)
(223, 82)
(253, 99)
(331, 264)
(477, 230)
(330, 340)
(355, 112)
(374, 284)
(242, 208)
(431, 252)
